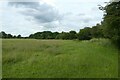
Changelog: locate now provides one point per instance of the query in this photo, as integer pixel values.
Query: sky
(31, 16)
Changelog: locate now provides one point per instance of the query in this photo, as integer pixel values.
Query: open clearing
(59, 59)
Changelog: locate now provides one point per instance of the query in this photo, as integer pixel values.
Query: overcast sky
(33, 16)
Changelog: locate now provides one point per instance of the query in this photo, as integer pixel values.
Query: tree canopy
(84, 34)
(111, 23)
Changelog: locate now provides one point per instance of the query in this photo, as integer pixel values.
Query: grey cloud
(23, 0)
(87, 20)
(68, 14)
(52, 25)
(81, 14)
(84, 18)
(24, 4)
(90, 19)
(40, 11)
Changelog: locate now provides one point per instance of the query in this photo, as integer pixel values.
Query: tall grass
(59, 59)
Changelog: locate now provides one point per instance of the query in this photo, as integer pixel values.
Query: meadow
(30, 58)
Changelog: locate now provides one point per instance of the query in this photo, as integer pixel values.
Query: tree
(47, 35)
(55, 35)
(14, 36)
(111, 22)
(97, 31)
(72, 35)
(37, 35)
(19, 36)
(63, 35)
(44, 35)
(85, 34)
(3, 34)
(31, 36)
(9, 36)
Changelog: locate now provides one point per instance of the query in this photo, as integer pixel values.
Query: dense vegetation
(9, 36)
(111, 23)
(84, 34)
(33, 58)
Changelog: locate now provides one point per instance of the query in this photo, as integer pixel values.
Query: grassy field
(59, 59)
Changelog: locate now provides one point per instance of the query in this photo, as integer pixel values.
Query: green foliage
(63, 35)
(19, 36)
(97, 31)
(44, 35)
(3, 35)
(111, 22)
(8, 36)
(54, 35)
(72, 35)
(85, 34)
(88, 33)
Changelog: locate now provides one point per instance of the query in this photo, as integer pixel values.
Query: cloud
(81, 14)
(48, 16)
(30, 16)
(40, 12)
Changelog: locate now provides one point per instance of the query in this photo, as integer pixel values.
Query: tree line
(84, 34)
(6, 36)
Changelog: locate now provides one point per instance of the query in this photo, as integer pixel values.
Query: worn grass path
(59, 59)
